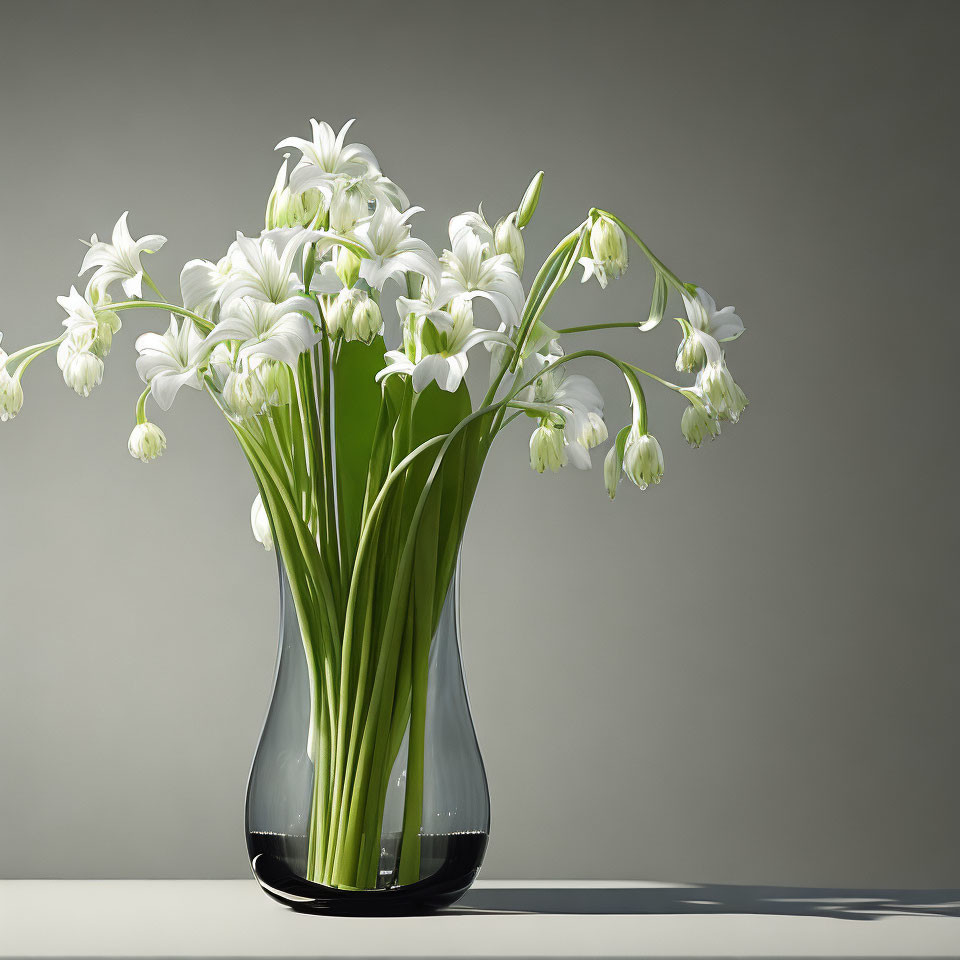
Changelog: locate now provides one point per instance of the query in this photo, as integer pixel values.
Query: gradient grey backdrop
(747, 674)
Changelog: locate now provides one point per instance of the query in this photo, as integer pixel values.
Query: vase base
(451, 862)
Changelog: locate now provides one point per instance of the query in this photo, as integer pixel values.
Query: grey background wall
(747, 674)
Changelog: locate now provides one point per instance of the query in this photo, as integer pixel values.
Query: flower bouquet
(367, 447)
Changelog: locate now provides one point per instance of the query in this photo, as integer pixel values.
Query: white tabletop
(233, 918)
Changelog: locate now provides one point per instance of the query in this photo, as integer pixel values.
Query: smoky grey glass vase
(455, 811)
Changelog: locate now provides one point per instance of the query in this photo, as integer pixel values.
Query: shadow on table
(715, 898)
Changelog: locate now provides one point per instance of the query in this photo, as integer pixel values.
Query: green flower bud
(643, 459)
(277, 381)
(311, 201)
(346, 208)
(339, 313)
(347, 265)
(507, 239)
(611, 472)
(696, 425)
(367, 321)
(244, 392)
(531, 198)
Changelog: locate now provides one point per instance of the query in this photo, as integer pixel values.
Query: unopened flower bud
(531, 197)
(367, 321)
(260, 524)
(719, 389)
(608, 244)
(347, 266)
(11, 392)
(611, 472)
(642, 459)
(82, 368)
(312, 201)
(339, 314)
(346, 208)
(277, 381)
(507, 239)
(696, 425)
(244, 392)
(547, 448)
(146, 442)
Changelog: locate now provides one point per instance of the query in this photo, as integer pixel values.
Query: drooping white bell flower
(721, 391)
(696, 425)
(82, 369)
(262, 328)
(548, 449)
(642, 458)
(146, 442)
(262, 267)
(392, 251)
(260, 524)
(469, 272)
(703, 314)
(244, 391)
(171, 360)
(440, 349)
(575, 398)
(11, 391)
(120, 259)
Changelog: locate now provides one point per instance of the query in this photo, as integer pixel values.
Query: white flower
(276, 330)
(440, 347)
(575, 398)
(11, 392)
(473, 223)
(202, 282)
(327, 159)
(85, 320)
(469, 272)
(244, 391)
(347, 207)
(548, 450)
(120, 259)
(262, 267)
(508, 240)
(392, 251)
(146, 442)
(260, 524)
(696, 425)
(366, 320)
(642, 459)
(608, 246)
(703, 314)
(718, 388)
(82, 368)
(171, 360)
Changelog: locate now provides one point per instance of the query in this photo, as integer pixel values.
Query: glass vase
(418, 849)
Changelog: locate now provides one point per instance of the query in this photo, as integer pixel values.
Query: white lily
(703, 314)
(327, 161)
(392, 251)
(262, 267)
(120, 259)
(469, 272)
(440, 350)
(475, 223)
(265, 329)
(171, 360)
(202, 282)
(86, 321)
